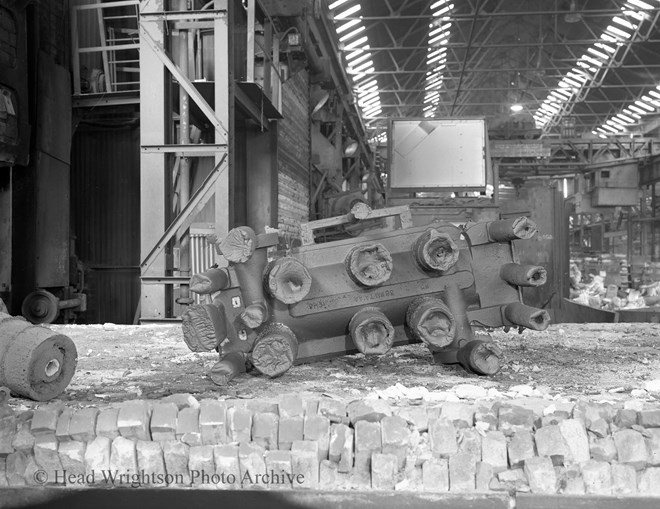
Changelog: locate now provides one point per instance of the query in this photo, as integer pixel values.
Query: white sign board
(437, 153)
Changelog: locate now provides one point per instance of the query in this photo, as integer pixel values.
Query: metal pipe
(69, 303)
(288, 280)
(239, 247)
(482, 357)
(275, 350)
(431, 321)
(435, 251)
(526, 316)
(506, 230)
(369, 265)
(227, 368)
(210, 281)
(371, 331)
(184, 163)
(523, 275)
(204, 327)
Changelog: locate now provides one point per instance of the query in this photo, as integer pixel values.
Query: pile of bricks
(525, 445)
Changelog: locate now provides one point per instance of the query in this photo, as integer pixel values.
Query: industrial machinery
(437, 284)
(35, 362)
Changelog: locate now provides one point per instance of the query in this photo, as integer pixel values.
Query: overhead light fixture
(319, 98)
(516, 107)
(350, 147)
(572, 16)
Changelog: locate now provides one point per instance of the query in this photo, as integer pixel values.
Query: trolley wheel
(40, 306)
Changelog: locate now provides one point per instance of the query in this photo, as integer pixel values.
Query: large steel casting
(390, 286)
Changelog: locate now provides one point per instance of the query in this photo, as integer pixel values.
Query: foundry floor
(607, 361)
(551, 374)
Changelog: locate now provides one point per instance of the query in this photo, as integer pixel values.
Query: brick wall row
(459, 447)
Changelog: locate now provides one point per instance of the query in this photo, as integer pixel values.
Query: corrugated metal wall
(294, 155)
(105, 207)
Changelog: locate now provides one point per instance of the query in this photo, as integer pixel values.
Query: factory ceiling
(571, 68)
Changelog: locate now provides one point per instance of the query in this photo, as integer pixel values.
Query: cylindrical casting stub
(481, 357)
(34, 362)
(435, 250)
(505, 230)
(227, 368)
(360, 210)
(204, 327)
(523, 275)
(288, 280)
(527, 316)
(210, 281)
(239, 244)
(371, 331)
(369, 264)
(254, 315)
(275, 350)
(431, 321)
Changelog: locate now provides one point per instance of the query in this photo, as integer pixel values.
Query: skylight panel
(356, 42)
(352, 34)
(347, 25)
(622, 28)
(348, 12)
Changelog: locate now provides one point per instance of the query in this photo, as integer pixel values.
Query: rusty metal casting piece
(431, 321)
(371, 331)
(204, 327)
(506, 230)
(435, 251)
(288, 280)
(523, 275)
(369, 264)
(34, 361)
(210, 281)
(481, 357)
(275, 350)
(527, 316)
(227, 368)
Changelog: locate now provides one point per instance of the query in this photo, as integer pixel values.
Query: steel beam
(152, 165)
(159, 50)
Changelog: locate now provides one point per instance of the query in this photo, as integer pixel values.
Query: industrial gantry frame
(157, 65)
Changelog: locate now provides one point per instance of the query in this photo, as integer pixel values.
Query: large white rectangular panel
(437, 153)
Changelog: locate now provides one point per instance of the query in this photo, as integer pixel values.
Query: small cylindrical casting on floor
(506, 230)
(431, 321)
(35, 362)
(526, 316)
(371, 331)
(435, 251)
(288, 280)
(275, 350)
(227, 368)
(210, 281)
(482, 357)
(204, 327)
(523, 275)
(369, 264)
